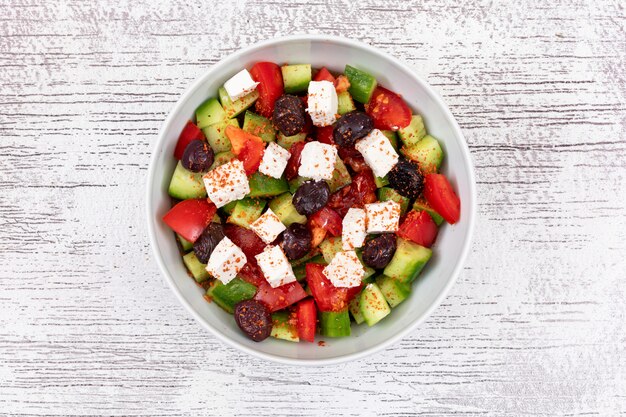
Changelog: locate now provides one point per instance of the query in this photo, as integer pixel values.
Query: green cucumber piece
(422, 205)
(408, 261)
(284, 326)
(393, 290)
(186, 184)
(229, 208)
(311, 255)
(227, 295)
(334, 323)
(345, 103)
(369, 271)
(259, 126)
(414, 132)
(195, 267)
(381, 181)
(283, 207)
(330, 247)
(246, 211)
(209, 112)
(296, 78)
(341, 176)
(262, 185)
(362, 84)
(373, 305)
(222, 158)
(184, 243)
(393, 138)
(295, 183)
(216, 135)
(234, 108)
(427, 153)
(354, 307)
(387, 194)
(287, 141)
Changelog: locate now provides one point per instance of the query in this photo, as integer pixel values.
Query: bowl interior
(449, 250)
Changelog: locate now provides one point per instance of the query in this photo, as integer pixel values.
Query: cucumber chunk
(330, 247)
(195, 267)
(414, 132)
(354, 306)
(227, 295)
(259, 126)
(373, 305)
(283, 207)
(209, 112)
(216, 135)
(334, 323)
(265, 186)
(341, 176)
(186, 184)
(393, 290)
(246, 211)
(387, 193)
(408, 261)
(345, 103)
(229, 208)
(296, 78)
(222, 158)
(362, 84)
(427, 153)
(420, 205)
(284, 326)
(311, 255)
(287, 141)
(381, 181)
(184, 243)
(369, 271)
(295, 183)
(393, 138)
(234, 108)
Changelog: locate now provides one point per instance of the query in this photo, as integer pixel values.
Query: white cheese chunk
(317, 161)
(226, 183)
(383, 217)
(226, 261)
(268, 226)
(275, 266)
(274, 162)
(378, 152)
(353, 226)
(345, 270)
(322, 103)
(240, 85)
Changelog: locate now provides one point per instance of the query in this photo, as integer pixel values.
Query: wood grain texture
(536, 323)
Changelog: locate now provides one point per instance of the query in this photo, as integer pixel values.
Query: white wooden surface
(534, 326)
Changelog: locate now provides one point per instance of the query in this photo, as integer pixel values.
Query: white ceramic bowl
(452, 243)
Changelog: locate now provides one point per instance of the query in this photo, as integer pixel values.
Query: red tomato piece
(442, 198)
(327, 219)
(291, 171)
(388, 110)
(270, 79)
(246, 239)
(418, 227)
(190, 133)
(326, 295)
(307, 319)
(353, 158)
(248, 148)
(325, 135)
(361, 191)
(280, 297)
(324, 75)
(190, 217)
(252, 273)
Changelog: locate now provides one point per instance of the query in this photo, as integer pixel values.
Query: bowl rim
(150, 206)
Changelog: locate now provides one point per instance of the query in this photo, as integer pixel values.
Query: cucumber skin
(184, 243)
(283, 327)
(408, 261)
(227, 295)
(264, 186)
(423, 206)
(345, 103)
(414, 132)
(186, 184)
(334, 323)
(296, 78)
(288, 141)
(196, 268)
(393, 290)
(373, 305)
(362, 84)
(355, 309)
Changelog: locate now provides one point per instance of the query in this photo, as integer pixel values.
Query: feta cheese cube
(345, 270)
(383, 217)
(378, 152)
(226, 183)
(275, 266)
(317, 161)
(268, 226)
(353, 226)
(226, 261)
(240, 85)
(322, 103)
(274, 160)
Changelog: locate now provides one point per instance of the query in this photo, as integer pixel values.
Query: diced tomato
(190, 217)
(317, 236)
(248, 148)
(326, 295)
(252, 273)
(324, 75)
(190, 133)
(442, 198)
(291, 171)
(246, 239)
(270, 79)
(327, 219)
(280, 297)
(418, 227)
(353, 158)
(361, 191)
(325, 135)
(342, 84)
(388, 110)
(307, 319)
